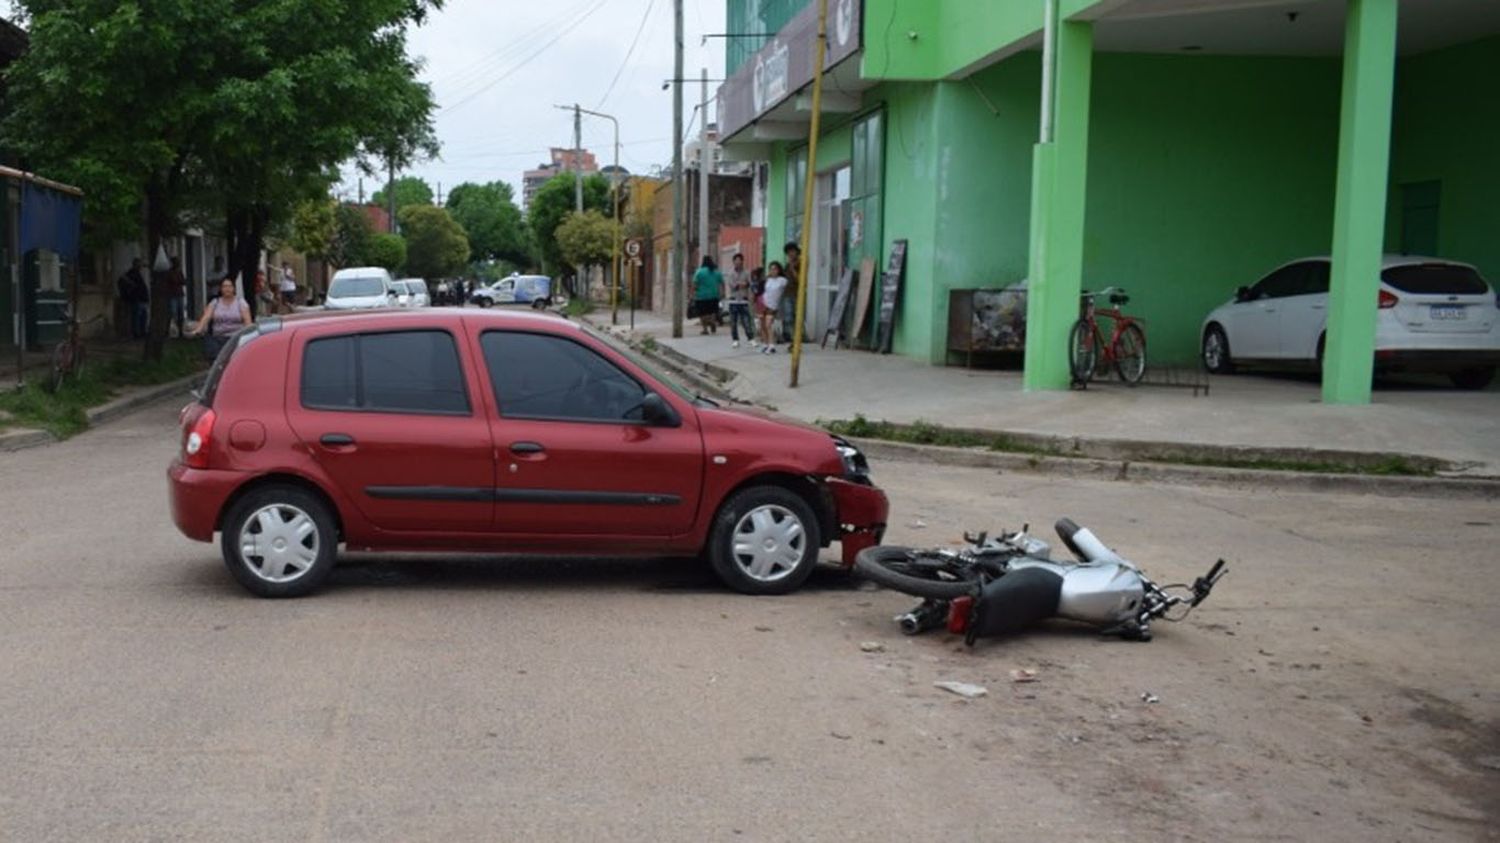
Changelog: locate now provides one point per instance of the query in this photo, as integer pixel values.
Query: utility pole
(674, 282)
(440, 194)
(577, 159)
(703, 167)
(361, 190)
(390, 194)
(803, 282)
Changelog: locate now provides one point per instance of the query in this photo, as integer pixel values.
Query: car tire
(1216, 357)
(304, 541)
(765, 540)
(484, 303)
(1477, 377)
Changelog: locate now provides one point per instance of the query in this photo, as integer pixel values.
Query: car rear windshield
(357, 287)
(1436, 279)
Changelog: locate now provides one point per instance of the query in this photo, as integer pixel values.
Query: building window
(796, 181)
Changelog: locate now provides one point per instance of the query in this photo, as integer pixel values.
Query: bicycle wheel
(914, 572)
(1083, 351)
(1130, 354)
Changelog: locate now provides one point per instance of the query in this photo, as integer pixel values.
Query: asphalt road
(1343, 684)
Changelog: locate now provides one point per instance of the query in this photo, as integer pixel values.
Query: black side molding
(544, 496)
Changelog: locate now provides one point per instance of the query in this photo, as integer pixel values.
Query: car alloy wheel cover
(1213, 350)
(279, 543)
(768, 543)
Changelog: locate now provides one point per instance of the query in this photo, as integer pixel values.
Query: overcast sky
(497, 68)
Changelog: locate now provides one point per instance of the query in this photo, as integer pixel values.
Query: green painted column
(1360, 200)
(1058, 195)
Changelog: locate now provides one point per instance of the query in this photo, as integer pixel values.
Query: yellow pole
(807, 190)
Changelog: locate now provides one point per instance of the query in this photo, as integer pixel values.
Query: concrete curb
(1191, 475)
(17, 440)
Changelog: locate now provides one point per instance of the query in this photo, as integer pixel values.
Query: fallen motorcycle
(1002, 585)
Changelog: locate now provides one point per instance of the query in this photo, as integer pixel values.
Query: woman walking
(223, 317)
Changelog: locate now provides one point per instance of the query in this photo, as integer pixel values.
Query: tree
(552, 204)
(409, 191)
(314, 226)
(586, 239)
(387, 250)
(351, 236)
(147, 105)
(489, 214)
(436, 245)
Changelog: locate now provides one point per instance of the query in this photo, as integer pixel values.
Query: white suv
(361, 288)
(1433, 315)
(412, 292)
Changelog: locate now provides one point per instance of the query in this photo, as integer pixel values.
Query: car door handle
(1317, 306)
(335, 440)
(526, 448)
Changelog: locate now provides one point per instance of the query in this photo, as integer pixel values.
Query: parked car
(412, 292)
(360, 288)
(438, 429)
(1433, 315)
(535, 290)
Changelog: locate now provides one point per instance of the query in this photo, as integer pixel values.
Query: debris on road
(763, 629)
(918, 524)
(966, 690)
(872, 646)
(841, 736)
(1023, 674)
(1149, 698)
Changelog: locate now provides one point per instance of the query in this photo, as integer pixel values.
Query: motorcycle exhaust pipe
(929, 614)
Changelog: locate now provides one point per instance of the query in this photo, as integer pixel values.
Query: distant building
(563, 161)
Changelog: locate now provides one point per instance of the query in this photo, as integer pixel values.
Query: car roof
(1387, 260)
(361, 320)
(362, 272)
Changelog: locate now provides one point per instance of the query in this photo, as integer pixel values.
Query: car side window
(1318, 274)
(540, 376)
(393, 372)
(1285, 281)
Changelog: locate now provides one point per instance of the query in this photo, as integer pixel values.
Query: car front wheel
(1216, 351)
(1478, 377)
(765, 540)
(279, 541)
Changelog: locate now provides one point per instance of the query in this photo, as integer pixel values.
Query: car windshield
(1436, 279)
(357, 287)
(650, 369)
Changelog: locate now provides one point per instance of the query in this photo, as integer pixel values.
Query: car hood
(776, 441)
(351, 302)
(763, 415)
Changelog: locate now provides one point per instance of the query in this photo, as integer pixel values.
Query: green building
(1196, 145)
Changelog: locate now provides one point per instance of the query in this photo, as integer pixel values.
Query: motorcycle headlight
(856, 467)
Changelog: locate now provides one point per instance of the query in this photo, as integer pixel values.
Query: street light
(614, 200)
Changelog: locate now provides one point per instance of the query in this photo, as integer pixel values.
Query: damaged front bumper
(860, 511)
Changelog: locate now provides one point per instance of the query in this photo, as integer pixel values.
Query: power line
(542, 49)
(500, 55)
(628, 53)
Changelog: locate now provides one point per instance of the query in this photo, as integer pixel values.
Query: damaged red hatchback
(452, 430)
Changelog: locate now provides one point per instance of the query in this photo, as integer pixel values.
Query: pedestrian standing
(265, 296)
(737, 283)
(708, 287)
(771, 298)
(288, 286)
(177, 297)
(222, 319)
(793, 265)
(131, 288)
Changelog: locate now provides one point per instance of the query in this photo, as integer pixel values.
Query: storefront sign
(785, 65)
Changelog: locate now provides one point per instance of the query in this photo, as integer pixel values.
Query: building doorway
(828, 247)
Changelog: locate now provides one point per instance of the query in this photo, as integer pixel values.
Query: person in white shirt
(770, 301)
(288, 285)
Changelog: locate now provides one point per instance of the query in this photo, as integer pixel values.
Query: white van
(359, 288)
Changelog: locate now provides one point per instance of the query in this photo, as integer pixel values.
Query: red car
(425, 430)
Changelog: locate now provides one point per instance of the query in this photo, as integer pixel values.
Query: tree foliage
(351, 236)
(409, 190)
(586, 239)
(436, 245)
(552, 204)
(489, 214)
(313, 227)
(387, 250)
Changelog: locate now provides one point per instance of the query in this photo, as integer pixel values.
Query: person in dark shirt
(131, 288)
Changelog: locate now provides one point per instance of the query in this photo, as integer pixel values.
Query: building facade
(1194, 146)
(563, 161)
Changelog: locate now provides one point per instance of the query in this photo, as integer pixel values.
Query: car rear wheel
(485, 302)
(1216, 357)
(279, 541)
(765, 540)
(1478, 377)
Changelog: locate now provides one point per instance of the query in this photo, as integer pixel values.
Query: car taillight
(195, 440)
(1387, 300)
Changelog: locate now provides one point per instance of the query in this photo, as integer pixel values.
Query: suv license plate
(1448, 312)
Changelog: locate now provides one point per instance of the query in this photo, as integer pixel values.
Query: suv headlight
(856, 467)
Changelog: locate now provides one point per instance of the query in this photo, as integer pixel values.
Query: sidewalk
(1417, 416)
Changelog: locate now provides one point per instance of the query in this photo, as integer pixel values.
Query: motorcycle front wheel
(916, 572)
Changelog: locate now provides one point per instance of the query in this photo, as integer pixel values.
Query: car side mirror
(1243, 294)
(657, 412)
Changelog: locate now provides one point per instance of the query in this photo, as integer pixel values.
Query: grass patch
(648, 344)
(62, 413)
(578, 307)
(926, 433)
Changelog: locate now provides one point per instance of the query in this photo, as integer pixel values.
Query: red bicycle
(1088, 352)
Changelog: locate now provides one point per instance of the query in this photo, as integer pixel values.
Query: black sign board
(840, 307)
(890, 289)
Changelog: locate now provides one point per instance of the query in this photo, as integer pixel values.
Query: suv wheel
(1216, 357)
(279, 541)
(765, 540)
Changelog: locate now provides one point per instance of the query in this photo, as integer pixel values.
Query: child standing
(770, 301)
